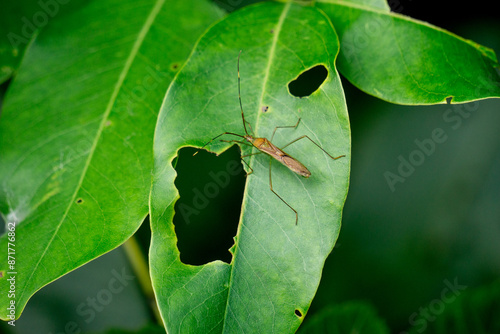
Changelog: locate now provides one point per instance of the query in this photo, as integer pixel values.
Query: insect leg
(286, 126)
(254, 153)
(250, 126)
(237, 141)
(305, 136)
(246, 163)
(243, 156)
(271, 186)
(245, 122)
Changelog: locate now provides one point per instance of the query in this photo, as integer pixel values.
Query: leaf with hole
(276, 265)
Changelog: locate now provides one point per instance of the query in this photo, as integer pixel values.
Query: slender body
(264, 145)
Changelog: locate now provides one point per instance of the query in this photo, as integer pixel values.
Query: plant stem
(140, 266)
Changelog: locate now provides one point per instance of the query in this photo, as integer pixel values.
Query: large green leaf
(406, 61)
(276, 265)
(77, 129)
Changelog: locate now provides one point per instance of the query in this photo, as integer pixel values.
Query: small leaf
(276, 265)
(406, 61)
(76, 133)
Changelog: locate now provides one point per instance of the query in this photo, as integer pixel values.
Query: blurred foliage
(351, 317)
(74, 302)
(149, 329)
(473, 311)
(397, 248)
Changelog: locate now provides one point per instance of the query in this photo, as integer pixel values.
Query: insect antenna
(242, 115)
(239, 97)
(214, 138)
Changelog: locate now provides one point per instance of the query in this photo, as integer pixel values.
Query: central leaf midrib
(274, 42)
(123, 74)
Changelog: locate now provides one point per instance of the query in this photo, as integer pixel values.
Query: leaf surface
(276, 265)
(77, 129)
(406, 61)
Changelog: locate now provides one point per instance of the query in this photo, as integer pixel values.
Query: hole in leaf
(79, 201)
(174, 66)
(298, 313)
(208, 210)
(308, 81)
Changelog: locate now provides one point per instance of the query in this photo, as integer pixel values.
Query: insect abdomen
(295, 166)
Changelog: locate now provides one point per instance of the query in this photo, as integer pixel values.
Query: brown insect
(265, 145)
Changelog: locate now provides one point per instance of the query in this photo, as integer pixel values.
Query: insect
(266, 146)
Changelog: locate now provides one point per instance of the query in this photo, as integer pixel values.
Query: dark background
(396, 250)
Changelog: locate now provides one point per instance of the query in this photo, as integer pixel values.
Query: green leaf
(77, 129)
(352, 317)
(276, 265)
(406, 61)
